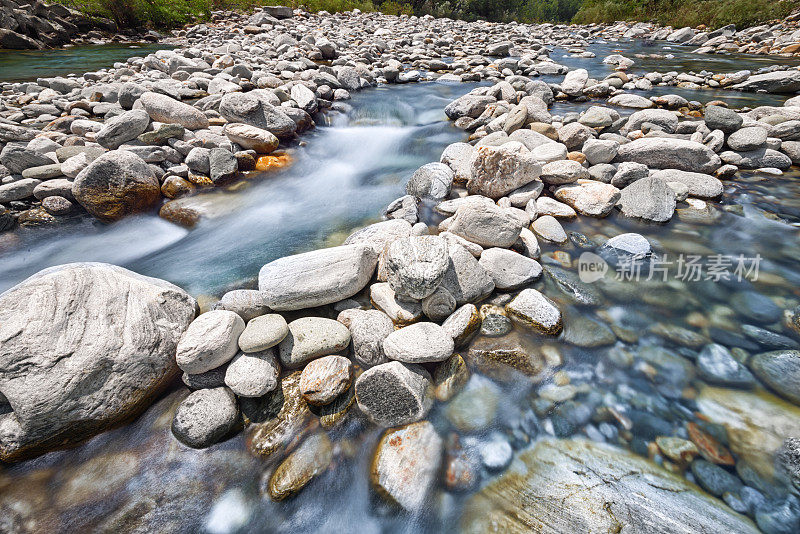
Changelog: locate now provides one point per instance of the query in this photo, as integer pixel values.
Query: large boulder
(162, 108)
(254, 109)
(316, 278)
(670, 153)
(583, 486)
(782, 81)
(84, 347)
(116, 184)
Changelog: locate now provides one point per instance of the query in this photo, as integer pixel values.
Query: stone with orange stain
(709, 447)
(406, 464)
(325, 379)
(273, 162)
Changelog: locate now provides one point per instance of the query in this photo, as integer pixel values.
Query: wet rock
(210, 341)
(755, 306)
(536, 311)
(315, 278)
(574, 485)
(788, 461)
(504, 358)
(311, 458)
(406, 464)
(419, 343)
(780, 370)
(474, 408)
(508, 269)
(781, 519)
(718, 366)
(449, 377)
(324, 379)
(495, 453)
(278, 419)
(714, 479)
(85, 347)
(394, 393)
(253, 374)
(415, 266)
(116, 184)
(310, 338)
(756, 423)
(205, 417)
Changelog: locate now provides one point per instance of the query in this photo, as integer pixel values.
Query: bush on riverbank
(679, 13)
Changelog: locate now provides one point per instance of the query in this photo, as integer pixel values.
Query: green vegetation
(678, 13)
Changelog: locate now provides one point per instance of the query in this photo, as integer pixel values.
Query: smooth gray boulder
(123, 128)
(253, 374)
(508, 269)
(316, 278)
(721, 118)
(162, 108)
(700, 185)
(649, 198)
(419, 343)
(18, 190)
(782, 81)
(84, 347)
(394, 393)
(255, 109)
(312, 337)
(210, 341)
(486, 224)
(205, 417)
(263, 332)
(380, 234)
(670, 153)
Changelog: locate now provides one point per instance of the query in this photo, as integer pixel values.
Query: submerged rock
(83, 347)
(311, 458)
(582, 486)
(406, 464)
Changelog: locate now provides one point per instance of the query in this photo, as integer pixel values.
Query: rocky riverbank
(412, 325)
(31, 25)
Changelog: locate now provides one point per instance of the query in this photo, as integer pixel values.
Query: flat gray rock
(205, 417)
(316, 278)
(419, 343)
(210, 341)
(312, 337)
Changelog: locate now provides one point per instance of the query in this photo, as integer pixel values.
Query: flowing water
(139, 477)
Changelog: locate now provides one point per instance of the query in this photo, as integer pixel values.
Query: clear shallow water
(27, 65)
(139, 477)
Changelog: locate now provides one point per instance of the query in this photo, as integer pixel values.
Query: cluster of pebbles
(401, 316)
